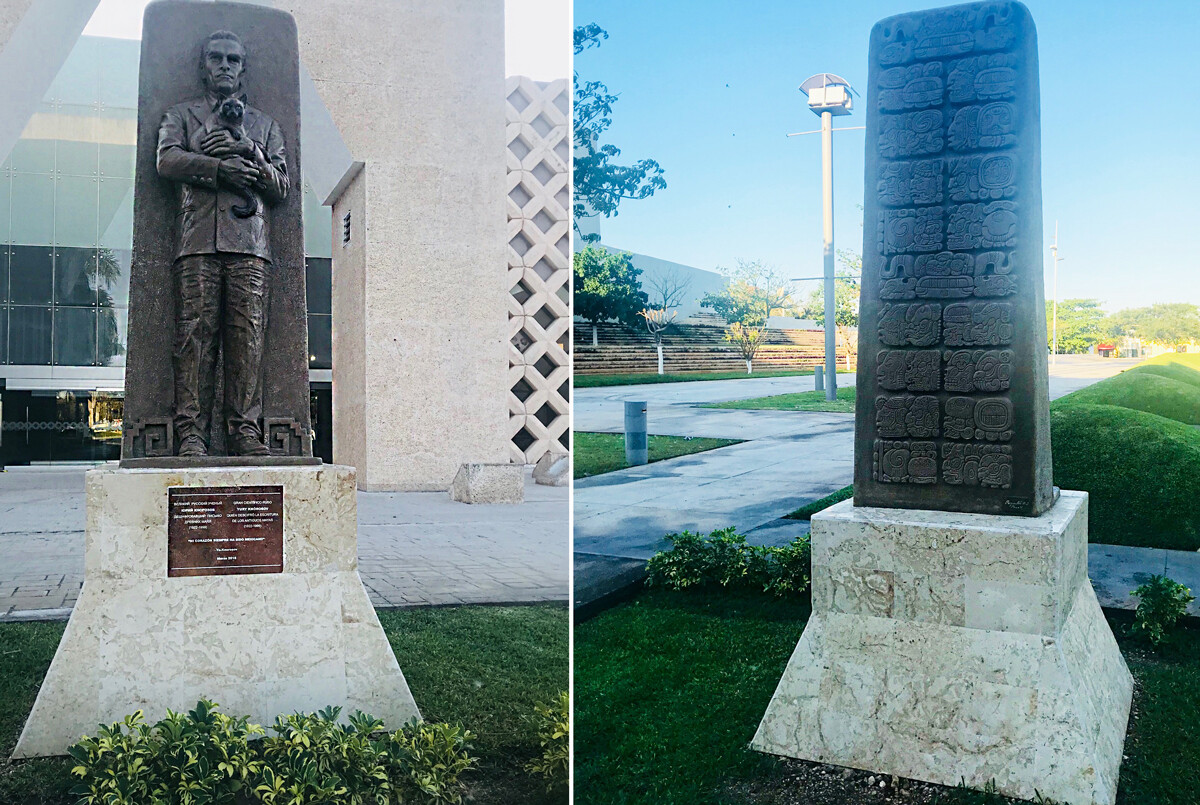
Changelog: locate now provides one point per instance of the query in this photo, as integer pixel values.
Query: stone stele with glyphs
(954, 634)
(952, 410)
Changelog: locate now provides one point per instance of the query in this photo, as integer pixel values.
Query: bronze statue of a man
(229, 161)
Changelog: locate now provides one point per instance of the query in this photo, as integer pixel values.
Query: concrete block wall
(539, 266)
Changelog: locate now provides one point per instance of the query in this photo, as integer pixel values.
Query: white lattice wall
(538, 266)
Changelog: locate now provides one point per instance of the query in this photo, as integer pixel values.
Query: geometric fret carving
(539, 265)
(152, 437)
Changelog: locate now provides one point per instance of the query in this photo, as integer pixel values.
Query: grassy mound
(1145, 390)
(1175, 371)
(1142, 472)
(1190, 360)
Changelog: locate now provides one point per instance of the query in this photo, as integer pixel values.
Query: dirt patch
(799, 782)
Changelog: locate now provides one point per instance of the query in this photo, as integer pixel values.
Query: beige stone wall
(538, 266)
(417, 91)
(349, 335)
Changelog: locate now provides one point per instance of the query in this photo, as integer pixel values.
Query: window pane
(5, 252)
(75, 276)
(116, 213)
(112, 274)
(114, 336)
(3, 335)
(77, 158)
(75, 205)
(74, 336)
(33, 156)
(31, 274)
(119, 72)
(33, 214)
(317, 284)
(5, 194)
(116, 160)
(29, 336)
(318, 225)
(78, 82)
(320, 342)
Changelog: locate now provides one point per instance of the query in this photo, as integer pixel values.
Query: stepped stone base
(263, 644)
(947, 647)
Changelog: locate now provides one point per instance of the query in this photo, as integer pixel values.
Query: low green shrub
(203, 757)
(207, 758)
(725, 559)
(1161, 603)
(553, 723)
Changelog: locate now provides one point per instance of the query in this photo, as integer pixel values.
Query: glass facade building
(66, 239)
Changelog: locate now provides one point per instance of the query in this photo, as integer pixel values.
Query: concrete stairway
(691, 348)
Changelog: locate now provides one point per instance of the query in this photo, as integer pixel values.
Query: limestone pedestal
(262, 644)
(949, 646)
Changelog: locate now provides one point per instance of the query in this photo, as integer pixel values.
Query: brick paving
(415, 548)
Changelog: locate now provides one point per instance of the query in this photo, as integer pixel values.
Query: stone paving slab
(415, 548)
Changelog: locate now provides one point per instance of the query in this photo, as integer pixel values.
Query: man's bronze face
(224, 61)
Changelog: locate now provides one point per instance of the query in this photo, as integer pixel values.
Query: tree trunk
(749, 366)
(594, 341)
(660, 361)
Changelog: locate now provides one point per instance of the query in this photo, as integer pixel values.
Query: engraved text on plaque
(219, 530)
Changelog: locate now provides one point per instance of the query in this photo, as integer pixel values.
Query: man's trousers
(222, 309)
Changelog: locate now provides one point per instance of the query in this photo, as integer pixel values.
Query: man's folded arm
(273, 181)
(176, 162)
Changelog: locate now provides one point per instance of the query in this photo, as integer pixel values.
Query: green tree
(845, 300)
(1081, 325)
(606, 288)
(1165, 324)
(754, 292)
(599, 185)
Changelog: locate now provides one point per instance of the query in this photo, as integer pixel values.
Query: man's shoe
(193, 446)
(243, 445)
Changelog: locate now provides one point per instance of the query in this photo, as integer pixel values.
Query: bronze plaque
(221, 530)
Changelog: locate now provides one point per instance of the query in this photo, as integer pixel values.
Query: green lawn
(669, 689)
(483, 667)
(806, 511)
(592, 381)
(597, 453)
(799, 401)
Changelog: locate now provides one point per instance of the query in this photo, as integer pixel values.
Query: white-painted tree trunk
(594, 339)
(660, 362)
(749, 366)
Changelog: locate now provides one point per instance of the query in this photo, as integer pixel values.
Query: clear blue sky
(709, 89)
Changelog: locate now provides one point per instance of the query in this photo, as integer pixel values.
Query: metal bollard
(819, 377)
(636, 444)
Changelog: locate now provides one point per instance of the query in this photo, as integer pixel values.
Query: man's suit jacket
(207, 224)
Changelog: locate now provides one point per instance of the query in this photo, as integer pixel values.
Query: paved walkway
(416, 548)
(788, 459)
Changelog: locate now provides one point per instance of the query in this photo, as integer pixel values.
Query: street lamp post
(1054, 316)
(828, 95)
